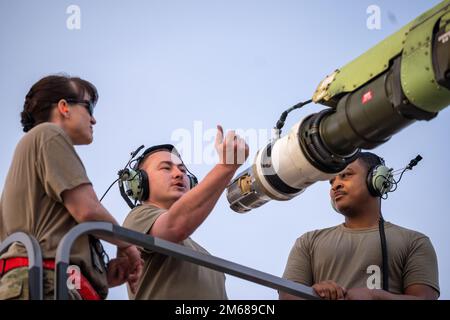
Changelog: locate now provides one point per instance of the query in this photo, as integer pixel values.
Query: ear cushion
(370, 182)
(193, 181)
(144, 185)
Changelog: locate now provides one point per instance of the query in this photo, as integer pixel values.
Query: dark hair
(149, 151)
(48, 91)
(370, 159)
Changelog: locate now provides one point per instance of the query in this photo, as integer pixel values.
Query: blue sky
(163, 66)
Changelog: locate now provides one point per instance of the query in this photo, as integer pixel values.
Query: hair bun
(27, 121)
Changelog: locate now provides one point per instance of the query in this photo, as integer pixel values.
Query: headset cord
(384, 253)
(109, 189)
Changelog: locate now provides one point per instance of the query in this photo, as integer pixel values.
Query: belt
(86, 291)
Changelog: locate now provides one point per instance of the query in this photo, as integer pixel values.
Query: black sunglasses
(86, 103)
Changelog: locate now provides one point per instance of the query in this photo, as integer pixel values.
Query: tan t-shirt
(348, 256)
(170, 278)
(44, 165)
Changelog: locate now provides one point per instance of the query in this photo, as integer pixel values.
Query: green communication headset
(380, 179)
(133, 181)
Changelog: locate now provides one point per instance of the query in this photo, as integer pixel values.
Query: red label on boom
(367, 97)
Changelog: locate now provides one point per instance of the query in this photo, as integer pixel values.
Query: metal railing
(114, 232)
(35, 276)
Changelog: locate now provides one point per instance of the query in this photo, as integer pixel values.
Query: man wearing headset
(345, 261)
(172, 211)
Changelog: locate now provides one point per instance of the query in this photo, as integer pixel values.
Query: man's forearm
(193, 208)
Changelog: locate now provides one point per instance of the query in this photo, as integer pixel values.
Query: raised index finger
(219, 135)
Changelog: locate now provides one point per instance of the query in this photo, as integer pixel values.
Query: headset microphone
(414, 162)
(410, 166)
(381, 181)
(133, 154)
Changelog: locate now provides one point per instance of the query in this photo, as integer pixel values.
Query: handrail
(114, 232)
(35, 276)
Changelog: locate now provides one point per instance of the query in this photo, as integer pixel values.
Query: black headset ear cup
(370, 184)
(193, 181)
(144, 184)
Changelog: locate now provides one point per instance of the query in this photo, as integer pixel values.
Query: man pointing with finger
(172, 211)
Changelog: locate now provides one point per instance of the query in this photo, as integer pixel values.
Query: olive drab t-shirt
(170, 278)
(44, 165)
(352, 258)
